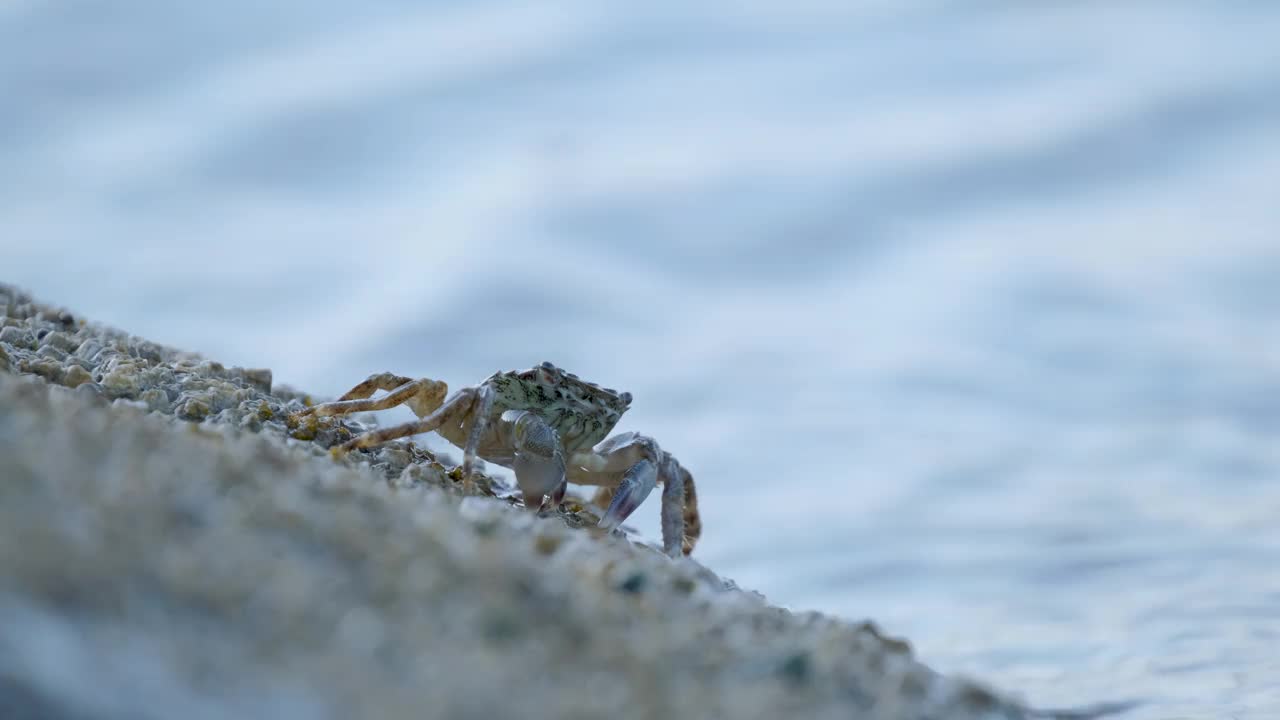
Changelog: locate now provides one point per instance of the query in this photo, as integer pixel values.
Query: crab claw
(557, 494)
(539, 463)
(636, 485)
(538, 476)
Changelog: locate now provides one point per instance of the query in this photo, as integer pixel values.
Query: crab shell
(582, 413)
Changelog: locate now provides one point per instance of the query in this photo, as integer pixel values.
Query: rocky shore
(172, 544)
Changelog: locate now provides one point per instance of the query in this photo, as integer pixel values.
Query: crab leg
(422, 396)
(692, 519)
(375, 382)
(639, 480)
(634, 464)
(481, 408)
(450, 412)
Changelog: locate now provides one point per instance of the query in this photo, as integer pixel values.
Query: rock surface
(172, 545)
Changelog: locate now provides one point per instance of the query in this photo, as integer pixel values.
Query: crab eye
(626, 398)
(545, 365)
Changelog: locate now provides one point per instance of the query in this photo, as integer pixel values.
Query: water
(965, 316)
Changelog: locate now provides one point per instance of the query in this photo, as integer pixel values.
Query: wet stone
(45, 368)
(88, 350)
(91, 389)
(52, 353)
(156, 399)
(210, 369)
(394, 456)
(17, 337)
(75, 376)
(259, 378)
(265, 412)
(330, 432)
(420, 473)
(59, 340)
(193, 409)
(148, 351)
(304, 429)
(120, 381)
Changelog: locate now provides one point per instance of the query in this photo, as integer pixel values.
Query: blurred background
(965, 316)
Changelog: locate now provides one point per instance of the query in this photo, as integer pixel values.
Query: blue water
(965, 316)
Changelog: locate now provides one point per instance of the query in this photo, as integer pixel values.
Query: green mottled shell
(582, 413)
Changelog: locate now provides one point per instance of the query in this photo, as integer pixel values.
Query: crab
(549, 427)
